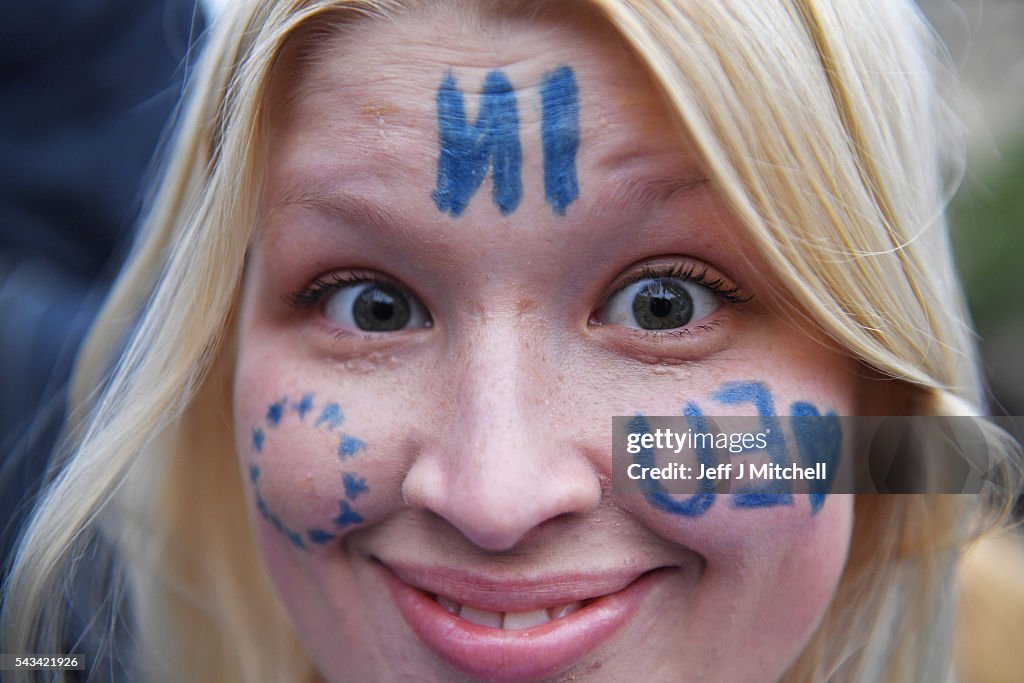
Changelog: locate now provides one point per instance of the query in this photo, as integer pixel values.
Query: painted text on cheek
(492, 142)
(818, 438)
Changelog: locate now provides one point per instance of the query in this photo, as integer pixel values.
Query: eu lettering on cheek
(304, 412)
(492, 143)
(818, 439)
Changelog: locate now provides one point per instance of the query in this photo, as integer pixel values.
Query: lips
(519, 630)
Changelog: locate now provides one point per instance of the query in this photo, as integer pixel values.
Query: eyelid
(316, 296)
(313, 294)
(682, 268)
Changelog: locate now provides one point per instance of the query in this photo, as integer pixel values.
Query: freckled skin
(483, 440)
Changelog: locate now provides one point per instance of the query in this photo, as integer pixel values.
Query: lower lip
(515, 656)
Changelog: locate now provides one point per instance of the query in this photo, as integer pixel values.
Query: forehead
(415, 44)
(375, 82)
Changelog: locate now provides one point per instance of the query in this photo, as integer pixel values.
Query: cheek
(766, 580)
(782, 563)
(770, 563)
(313, 462)
(783, 573)
(299, 457)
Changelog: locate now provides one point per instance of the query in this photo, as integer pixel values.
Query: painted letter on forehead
(560, 134)
(492, 143)
(468, 150)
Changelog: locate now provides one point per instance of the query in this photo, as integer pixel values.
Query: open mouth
(510, 621)
(515, 633)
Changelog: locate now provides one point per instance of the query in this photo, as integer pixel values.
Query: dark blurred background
(86, 90)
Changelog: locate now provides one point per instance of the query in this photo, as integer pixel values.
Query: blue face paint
(331, 416)
(354, 486)
(560, 135)
(348, 516)
(692, 506)
(304, 405)
(257, 440)
(274, 413)
(319, 536)
(771, 493)
(293, 536)
(467, 151)
(819, 438)
(349, 446)
(261, 505)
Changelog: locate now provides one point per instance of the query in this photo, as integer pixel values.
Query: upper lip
(513, 593)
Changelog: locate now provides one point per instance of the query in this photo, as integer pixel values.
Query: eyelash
(312, 294)
(692, 273)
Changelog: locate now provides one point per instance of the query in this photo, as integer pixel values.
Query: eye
(374, 307)
(659, 303)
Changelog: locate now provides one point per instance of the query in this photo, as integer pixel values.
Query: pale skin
(482, 426)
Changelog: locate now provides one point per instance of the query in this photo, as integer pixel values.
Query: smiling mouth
(512, 632)
(511, 621)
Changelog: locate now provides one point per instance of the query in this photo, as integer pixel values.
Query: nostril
(496, 512)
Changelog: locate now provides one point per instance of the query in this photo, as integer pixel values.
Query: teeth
(481, 616)
(564, 610)
(510, 621)
(516, 620)
(449, 605)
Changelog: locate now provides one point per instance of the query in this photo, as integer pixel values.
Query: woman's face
(480, 241)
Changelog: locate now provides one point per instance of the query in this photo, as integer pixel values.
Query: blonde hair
(819, 123)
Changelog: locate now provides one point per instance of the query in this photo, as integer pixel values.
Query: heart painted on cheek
(819, 438)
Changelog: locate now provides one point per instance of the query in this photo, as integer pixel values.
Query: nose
(505, 462)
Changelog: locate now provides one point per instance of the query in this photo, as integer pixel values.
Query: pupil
(381, 308)
(661, 307)
(662, 304)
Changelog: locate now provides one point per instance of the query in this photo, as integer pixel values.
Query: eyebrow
(643, 192)
(340, 206)
(633, 194)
